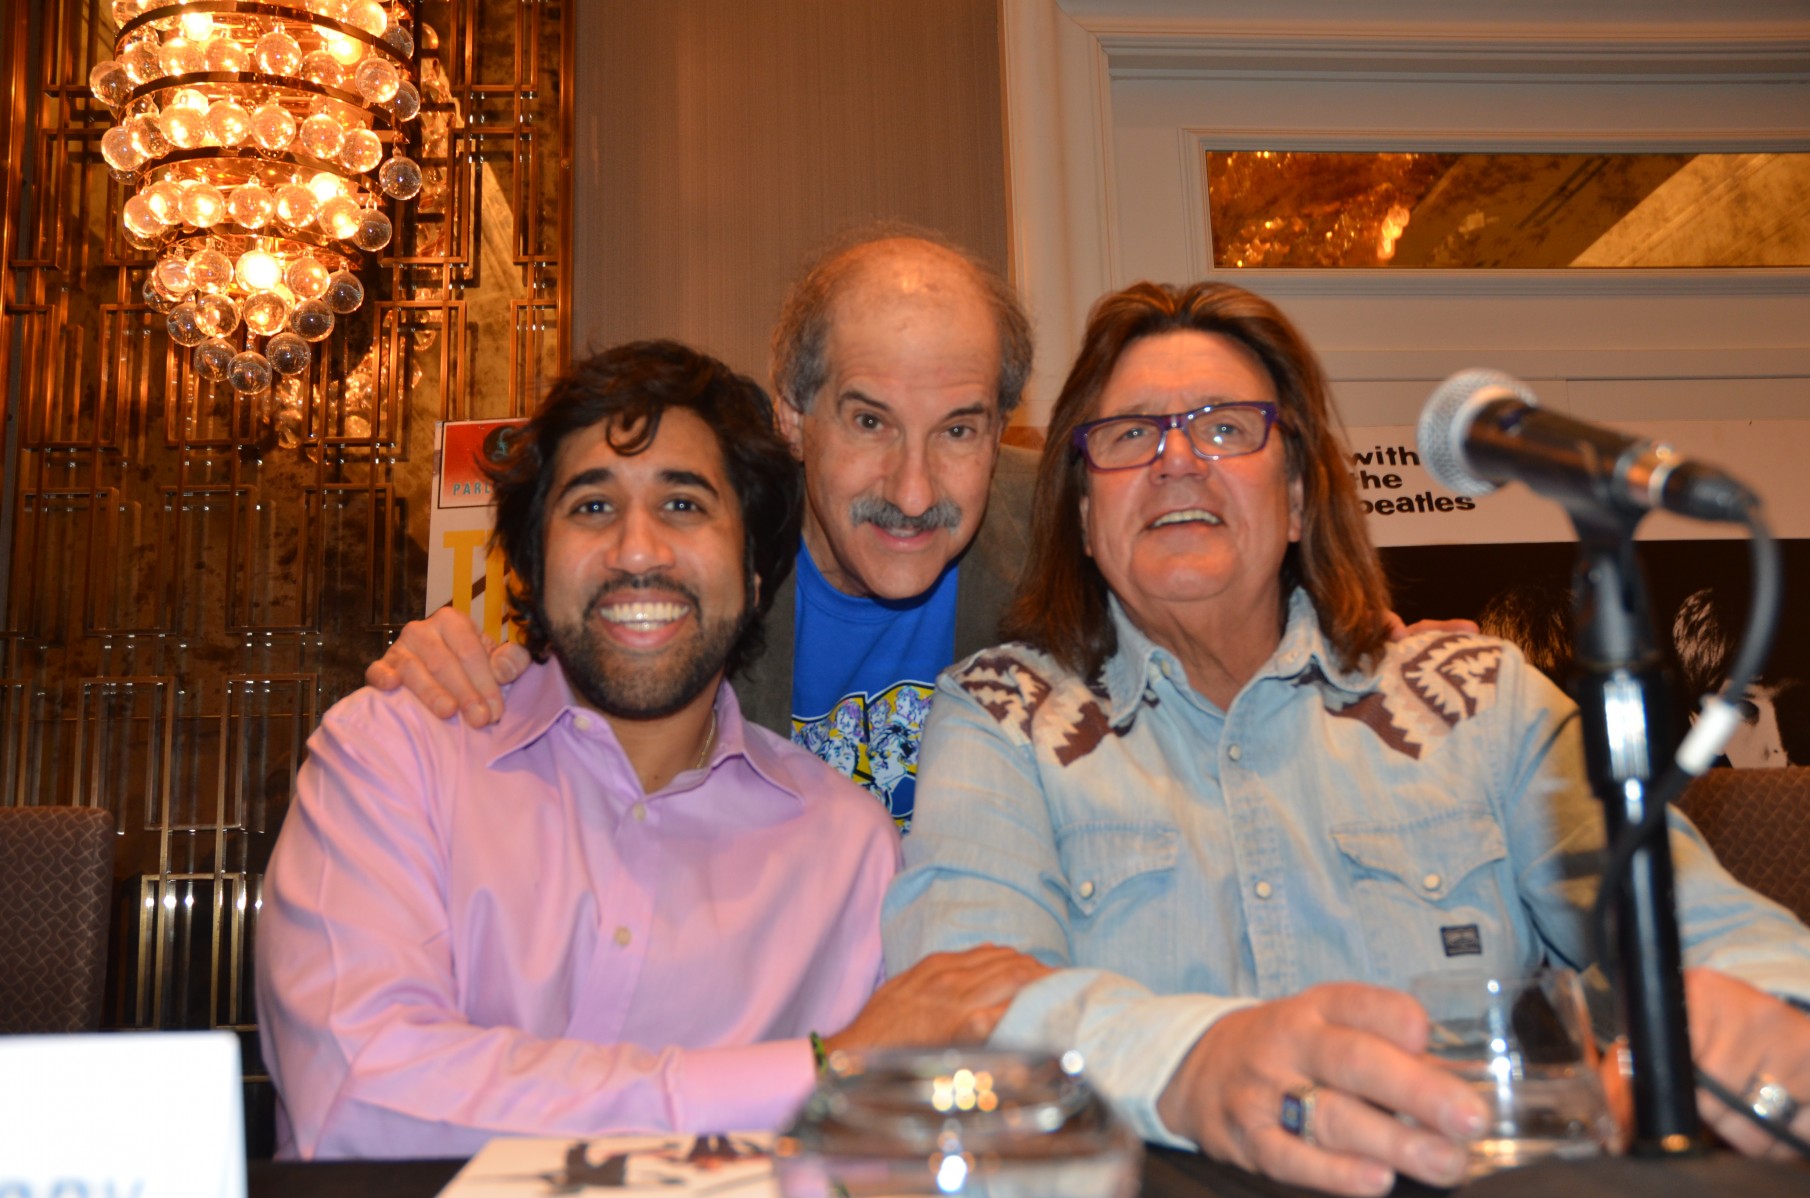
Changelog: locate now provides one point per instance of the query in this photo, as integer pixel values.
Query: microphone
(1483, 428)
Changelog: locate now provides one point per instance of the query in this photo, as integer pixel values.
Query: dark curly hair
(632, 386)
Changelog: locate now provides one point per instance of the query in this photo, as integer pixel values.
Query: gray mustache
(871, 509)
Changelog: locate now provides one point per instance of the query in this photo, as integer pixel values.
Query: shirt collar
(538, 700)
(1130, 672)
(1304, 650)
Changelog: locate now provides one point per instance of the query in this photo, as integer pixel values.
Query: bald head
(909, 270)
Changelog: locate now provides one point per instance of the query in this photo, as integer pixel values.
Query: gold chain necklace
(709, 736)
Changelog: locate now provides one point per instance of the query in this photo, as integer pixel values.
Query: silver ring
(1767, 1097)
(1298, 1111)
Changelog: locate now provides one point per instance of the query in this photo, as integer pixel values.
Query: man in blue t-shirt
(897, 360)
(897, 363)
(863, 670)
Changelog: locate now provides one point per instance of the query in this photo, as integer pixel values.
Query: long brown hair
(1061, 603)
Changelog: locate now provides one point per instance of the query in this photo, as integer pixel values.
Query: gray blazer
(989, 572)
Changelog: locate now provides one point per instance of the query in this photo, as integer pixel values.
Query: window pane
(1271, 208)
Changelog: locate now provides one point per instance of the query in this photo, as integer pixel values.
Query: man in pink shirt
(622, 906)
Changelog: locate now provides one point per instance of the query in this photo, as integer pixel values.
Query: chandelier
(258, 142)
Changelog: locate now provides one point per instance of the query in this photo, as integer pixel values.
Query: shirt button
(582, 723)
(1235, 752)
(622, 937)
(1168, 670)
(1263, 890)
(640, 812)
(1431, 881)
(1087, 890)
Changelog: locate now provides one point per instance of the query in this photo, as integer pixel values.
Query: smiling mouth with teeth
(643, 615)
(1191, 515)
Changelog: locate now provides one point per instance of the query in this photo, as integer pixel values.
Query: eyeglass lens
(1225, 431)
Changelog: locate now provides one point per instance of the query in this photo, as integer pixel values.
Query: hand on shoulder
(947, 998)
(451, 667)
(1399, 631)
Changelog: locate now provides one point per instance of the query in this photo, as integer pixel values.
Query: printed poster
(462, 569)
(1406, 507)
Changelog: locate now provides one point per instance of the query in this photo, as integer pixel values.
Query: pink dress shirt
(470, 933)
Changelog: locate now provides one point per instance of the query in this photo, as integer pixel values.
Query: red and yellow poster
(461, 568)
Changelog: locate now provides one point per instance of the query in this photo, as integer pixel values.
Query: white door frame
(1737, 78)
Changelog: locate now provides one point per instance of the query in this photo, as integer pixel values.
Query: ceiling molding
(1682, 40)
(1457, 141)
(1180, 49)
(1572, 283)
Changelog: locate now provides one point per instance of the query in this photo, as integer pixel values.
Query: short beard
(631, 689)
(871, 509)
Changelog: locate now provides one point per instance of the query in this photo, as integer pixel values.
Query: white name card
(121, 1115)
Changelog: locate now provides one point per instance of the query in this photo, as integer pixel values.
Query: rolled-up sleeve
(1556, 833)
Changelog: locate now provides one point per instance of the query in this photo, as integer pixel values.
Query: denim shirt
(1176, 862)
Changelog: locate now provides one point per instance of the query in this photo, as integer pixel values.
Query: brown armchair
(1758, 823)
(56, 877)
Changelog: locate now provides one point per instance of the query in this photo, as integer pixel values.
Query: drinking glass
(1524, 1043)
(957, 1121)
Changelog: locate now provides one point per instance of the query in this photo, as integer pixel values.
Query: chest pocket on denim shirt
(1428, 893)
(1110, 864)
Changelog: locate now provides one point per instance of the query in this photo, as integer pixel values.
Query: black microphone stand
(1629, 730)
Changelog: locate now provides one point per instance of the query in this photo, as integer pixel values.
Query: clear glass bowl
(957, 1122)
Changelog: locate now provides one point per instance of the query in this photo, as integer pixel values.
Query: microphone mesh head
(1447, 418)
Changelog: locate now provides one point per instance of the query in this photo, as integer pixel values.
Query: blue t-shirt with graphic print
(863, 672)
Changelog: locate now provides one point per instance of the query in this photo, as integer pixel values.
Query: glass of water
(957, 1121)
(1524, 1043)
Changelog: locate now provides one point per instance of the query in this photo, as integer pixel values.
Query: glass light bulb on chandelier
(288, 353)
(276, 53)
(203, 206)
(251, 206)
(306, 277)
(344, 292)
(210, 270)
(362, 151)
(139, 217)
(259, 270)
(296, 205)
(265, 313)
(338, 217)
(172, 275)
(211, 358)
(248, 373)
(226, 55)
(325, 185)
(312, 319)
(400, 178)
(272, 127)
(229, 123)
(216, 315)
(321, 136)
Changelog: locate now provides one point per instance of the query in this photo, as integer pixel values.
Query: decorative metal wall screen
(192, 576)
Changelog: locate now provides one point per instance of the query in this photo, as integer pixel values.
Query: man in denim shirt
(1236, 819)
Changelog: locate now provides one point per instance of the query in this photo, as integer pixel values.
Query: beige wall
(717, 141)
